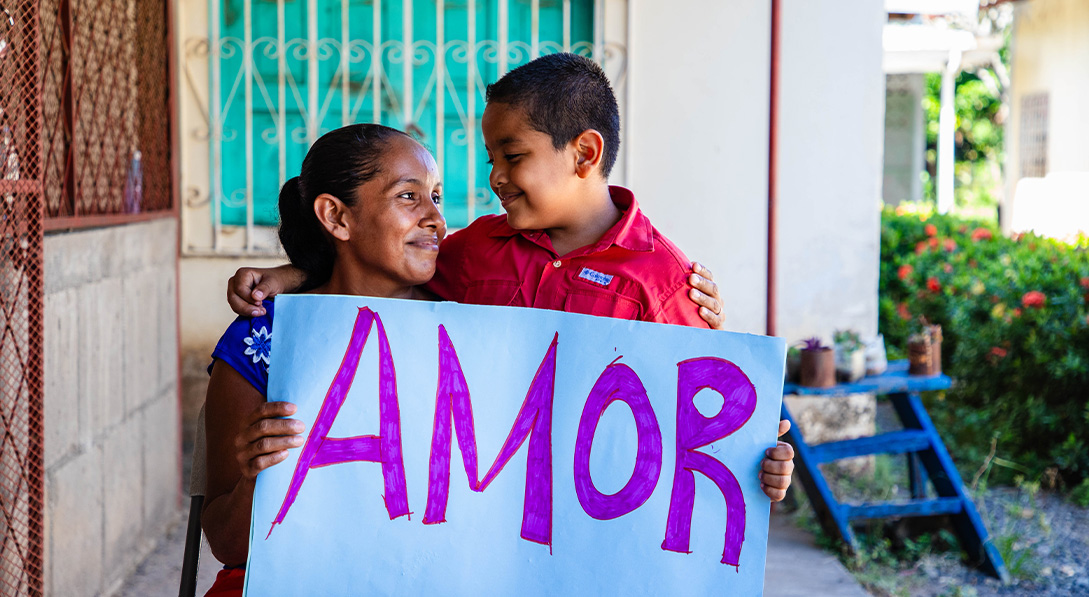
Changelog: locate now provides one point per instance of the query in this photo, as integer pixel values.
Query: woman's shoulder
(246, 346)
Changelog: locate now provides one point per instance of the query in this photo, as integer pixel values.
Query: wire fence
(85, 140)
(105, 111)
(21, 216)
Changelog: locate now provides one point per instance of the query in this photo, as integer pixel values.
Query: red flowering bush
(1034, 299)
(1015, 319)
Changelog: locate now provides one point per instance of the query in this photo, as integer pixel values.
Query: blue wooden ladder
(927, 457)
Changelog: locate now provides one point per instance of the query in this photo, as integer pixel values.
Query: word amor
(454, 416)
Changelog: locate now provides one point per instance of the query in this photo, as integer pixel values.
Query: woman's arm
(245, 435)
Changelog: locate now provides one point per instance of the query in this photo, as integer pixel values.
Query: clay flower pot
(925, 351)
(818, 368)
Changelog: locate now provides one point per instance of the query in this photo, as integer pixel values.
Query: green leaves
(1015, 318)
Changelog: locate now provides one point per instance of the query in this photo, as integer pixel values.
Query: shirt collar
(632, 232)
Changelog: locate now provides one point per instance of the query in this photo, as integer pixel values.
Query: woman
(361, 219)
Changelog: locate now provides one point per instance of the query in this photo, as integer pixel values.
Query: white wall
(831, 129)
(1049, 53)
(698, 145)
(697, 137)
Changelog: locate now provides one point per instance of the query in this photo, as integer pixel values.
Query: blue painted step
(931, 507)
(894, 442)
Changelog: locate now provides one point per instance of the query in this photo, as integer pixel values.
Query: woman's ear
(589, 150)
(332, 215)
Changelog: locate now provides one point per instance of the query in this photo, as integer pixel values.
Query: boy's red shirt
(633, 272)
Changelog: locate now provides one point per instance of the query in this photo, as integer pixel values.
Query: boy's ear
(333, 215)
(589, 150)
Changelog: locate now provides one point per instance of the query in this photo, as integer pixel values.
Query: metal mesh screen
(106, 110)
(21, 211)
(84, 116)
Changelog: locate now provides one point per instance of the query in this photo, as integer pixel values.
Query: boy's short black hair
(564, 95)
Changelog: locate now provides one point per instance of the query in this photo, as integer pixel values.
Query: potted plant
(793, 363)
(850, 356)
(877, 360)
(818, 364)
(925, 350)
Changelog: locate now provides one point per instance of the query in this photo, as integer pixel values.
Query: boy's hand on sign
(250, 285)
(704, 292)
(777, 467)
(266, 438)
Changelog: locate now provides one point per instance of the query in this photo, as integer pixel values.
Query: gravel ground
(1044, 538)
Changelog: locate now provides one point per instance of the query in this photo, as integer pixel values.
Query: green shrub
(1080, 494)
(1016, 336)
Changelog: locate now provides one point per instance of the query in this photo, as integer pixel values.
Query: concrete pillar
(947, 129)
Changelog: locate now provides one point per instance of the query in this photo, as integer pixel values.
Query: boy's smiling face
(535, 182)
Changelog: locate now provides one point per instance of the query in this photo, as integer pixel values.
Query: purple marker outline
(694, 431)
(321, 450)
(618, 382)
(453, 405)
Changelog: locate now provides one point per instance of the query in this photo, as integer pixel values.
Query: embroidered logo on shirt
(596, 277)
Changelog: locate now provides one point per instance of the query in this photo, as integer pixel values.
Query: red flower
(994, 299)
(962, 229)
(933, 285)
(981, 234)
(1034, 299)
(904, 271)
(920, 247)
(1017, 311)
(931, 230)
(998, 352)
(947, 267)
(933, 242)
(949, 245)
(902, 311)
(1085, 282)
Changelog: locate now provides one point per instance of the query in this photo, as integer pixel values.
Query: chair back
(198, 482)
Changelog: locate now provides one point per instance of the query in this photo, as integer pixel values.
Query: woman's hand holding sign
(266, 438)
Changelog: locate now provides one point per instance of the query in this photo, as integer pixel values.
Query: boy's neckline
(604, 215)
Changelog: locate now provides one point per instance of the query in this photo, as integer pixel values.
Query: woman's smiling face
(396, 226)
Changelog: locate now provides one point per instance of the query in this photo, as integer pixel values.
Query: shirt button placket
(549, 291)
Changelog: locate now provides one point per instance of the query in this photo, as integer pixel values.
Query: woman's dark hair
(338, 163)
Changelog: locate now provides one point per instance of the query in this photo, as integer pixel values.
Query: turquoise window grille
(286, 71)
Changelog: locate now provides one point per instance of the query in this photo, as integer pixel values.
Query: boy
(568, 241)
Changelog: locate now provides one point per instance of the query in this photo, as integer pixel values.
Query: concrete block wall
(112, 441)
